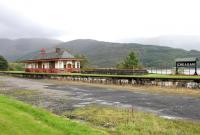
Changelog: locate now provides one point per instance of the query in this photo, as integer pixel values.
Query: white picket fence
(185, 71)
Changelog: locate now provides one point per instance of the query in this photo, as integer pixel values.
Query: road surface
(70, 96)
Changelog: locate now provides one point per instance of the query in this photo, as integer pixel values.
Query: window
(73, 64)
(78, 64)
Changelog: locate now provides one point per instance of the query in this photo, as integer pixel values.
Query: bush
(3, 63)
(16, 66)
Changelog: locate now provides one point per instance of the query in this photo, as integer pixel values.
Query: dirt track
(60, 98)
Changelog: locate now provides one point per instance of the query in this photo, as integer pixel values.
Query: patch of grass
(130, 122)
(22, 92)
(18, 118)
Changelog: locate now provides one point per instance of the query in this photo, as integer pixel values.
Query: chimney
(58, 50)
(42, 51)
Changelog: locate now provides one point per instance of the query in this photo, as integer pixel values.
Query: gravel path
(60, 98)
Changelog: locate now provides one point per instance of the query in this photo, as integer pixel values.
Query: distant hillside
(106, 54)
(179, 41)
(14, 49)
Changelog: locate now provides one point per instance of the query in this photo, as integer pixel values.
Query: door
(69, 65)
(40, 65)
(52, 64)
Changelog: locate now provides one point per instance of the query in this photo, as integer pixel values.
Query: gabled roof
(53, 55)
(192, 59)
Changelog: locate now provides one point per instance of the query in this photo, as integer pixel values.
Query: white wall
(35, 65)
(59, 64)
(77, 64)
(45, 64)
(56, 65)
(29, 65)
(69, 62)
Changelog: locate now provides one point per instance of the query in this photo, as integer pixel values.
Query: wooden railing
(115, 71)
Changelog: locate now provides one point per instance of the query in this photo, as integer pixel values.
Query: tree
(3, 63)
(84, 60)
(130, 62)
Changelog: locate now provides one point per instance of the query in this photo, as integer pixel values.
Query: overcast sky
(108, 20)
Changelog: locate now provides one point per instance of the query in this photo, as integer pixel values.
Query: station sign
(186, 64)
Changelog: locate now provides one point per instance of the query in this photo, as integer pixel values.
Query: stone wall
(184, 83)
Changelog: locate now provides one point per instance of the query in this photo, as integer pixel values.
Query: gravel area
(61, 98)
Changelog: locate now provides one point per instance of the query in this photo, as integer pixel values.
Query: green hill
(107, 54)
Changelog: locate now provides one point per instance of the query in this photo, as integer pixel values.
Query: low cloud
(13, 25)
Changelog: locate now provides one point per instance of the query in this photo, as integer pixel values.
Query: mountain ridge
(101, 53)
(108, 54)
(188, 42)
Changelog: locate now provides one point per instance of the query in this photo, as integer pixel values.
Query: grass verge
(147, 76)
(130, 122)
(18, 118)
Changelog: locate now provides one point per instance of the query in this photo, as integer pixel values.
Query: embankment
(148, 80)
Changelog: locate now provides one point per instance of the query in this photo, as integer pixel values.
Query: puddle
(170, 117)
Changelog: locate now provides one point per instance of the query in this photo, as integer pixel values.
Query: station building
(57, 61)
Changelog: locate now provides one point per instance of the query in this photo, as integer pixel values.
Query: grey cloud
(13, 25)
